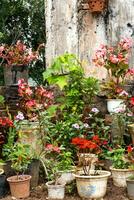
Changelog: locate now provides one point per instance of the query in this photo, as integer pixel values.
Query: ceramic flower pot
(30, 135)
(13, 73)
(55, 191)
(67, 177)
(114, 105)
(120, 175)
(20, 187)
(97, 5)
(92, 186)
(130, 188)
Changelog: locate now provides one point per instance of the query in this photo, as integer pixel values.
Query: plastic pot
(55, 191)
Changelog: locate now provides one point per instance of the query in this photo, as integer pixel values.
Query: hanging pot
(15, 72)
(97, 5)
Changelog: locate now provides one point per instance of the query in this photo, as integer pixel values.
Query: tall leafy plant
(66, 71)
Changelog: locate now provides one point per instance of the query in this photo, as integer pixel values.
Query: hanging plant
(97, 5)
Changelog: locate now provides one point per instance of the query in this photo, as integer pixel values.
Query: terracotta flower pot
(97, 5)
(20, 187)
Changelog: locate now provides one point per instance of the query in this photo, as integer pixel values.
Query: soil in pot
(20, 186)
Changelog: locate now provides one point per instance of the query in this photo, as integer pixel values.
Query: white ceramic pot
(120, 175)
(92, 186)
(67, 177)
(55, 191)
(113, 105)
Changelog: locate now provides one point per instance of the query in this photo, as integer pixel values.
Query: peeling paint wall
(71, 27)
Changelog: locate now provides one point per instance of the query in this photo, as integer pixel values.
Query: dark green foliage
(24, 20)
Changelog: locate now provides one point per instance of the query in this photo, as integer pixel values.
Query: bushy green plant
(77, 90)
(20, 157)
(117, 156)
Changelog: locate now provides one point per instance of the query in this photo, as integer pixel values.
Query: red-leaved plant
(33, 102)
(17, 54)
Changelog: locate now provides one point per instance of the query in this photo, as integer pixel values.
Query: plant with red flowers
(91, 147)
(33, 102)
(18, 54)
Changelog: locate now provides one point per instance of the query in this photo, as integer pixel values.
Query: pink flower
(123, 93)
(113, 59)
(31, 103)
(28, 91)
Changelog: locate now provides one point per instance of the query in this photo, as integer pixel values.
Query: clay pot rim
(13, 179)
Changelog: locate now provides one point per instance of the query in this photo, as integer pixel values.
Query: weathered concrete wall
(61, 28)
(71, 27)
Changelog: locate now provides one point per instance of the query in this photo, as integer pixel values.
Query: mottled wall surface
(71, 27)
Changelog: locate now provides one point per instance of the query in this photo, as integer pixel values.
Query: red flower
(129, 149)
(132, 101)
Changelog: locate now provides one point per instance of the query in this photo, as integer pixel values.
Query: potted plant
(115, 60)
(97, 5)
(15, 59)
(62, 163)
(122, 166)
(20, 159)
(90, 181)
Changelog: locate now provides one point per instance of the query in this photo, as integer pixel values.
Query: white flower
(20, 116)
(76, 126)
(95, 110)
(85, 125)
